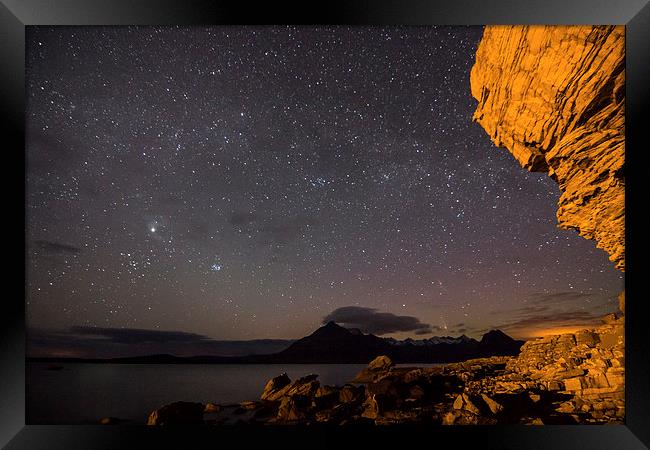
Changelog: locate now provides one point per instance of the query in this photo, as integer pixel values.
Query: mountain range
(334, 344)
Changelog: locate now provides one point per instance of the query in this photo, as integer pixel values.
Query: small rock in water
(110, 421)
(178, 413)
(249, 406)
(211, 408)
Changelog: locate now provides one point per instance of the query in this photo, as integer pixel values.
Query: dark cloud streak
(56, 248)
(556, 297)
(91, 342)
(135, 335)
(370, 320)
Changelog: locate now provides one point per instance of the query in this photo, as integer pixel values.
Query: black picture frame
(635, 14)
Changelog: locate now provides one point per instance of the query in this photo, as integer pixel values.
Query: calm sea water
(84, 393)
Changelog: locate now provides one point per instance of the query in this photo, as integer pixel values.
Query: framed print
(372, 222)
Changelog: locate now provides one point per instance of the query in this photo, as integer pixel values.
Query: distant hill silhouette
(334, 344)
(497, 342)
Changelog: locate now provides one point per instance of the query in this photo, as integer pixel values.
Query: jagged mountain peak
(331, 329)
(496, 336)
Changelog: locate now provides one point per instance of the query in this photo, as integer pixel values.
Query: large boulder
(494, 406)
(274, 386)
(614, 337)
(370, 407)
(464, 402)
(587, 337)
(294, 409)
(350, 393)
(387, 387)
(177, 413)
(380, 363)
(326, 397)
(389, 392)
(575, 384)
(377, 368)
(306, 386)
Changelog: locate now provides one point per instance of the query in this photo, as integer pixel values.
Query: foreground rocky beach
(575, 378)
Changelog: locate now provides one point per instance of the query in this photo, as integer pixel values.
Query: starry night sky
(246, 182)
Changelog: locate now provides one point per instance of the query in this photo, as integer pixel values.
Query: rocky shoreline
(575, 378)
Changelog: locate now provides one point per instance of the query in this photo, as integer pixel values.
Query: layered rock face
(554, 97)
(589, 365)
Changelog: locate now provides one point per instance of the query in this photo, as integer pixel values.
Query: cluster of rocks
(588, 365)
(562, 379)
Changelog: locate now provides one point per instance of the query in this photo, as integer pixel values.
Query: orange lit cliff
(554, 97)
